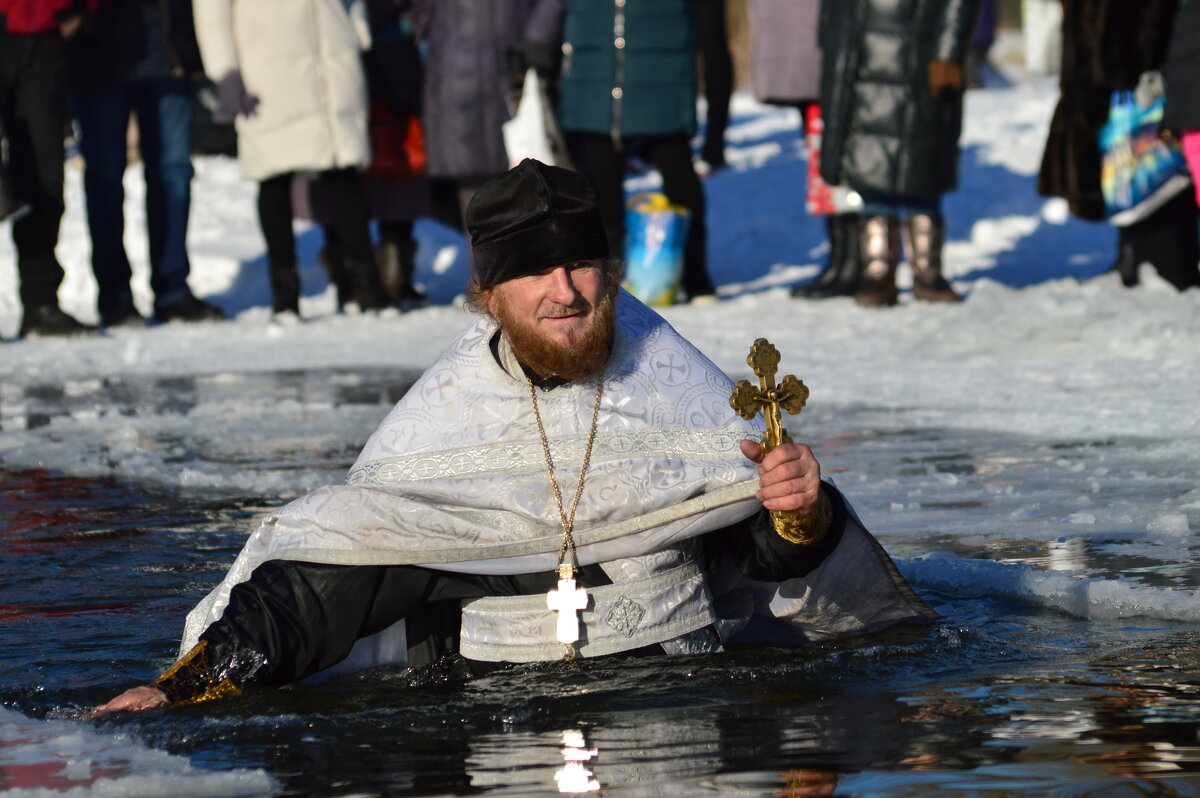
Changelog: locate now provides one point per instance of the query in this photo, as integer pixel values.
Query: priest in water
(570, 479)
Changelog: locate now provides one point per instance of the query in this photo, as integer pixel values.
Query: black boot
(819, 288)
(335, 267)
(396, 259)
(880, 242)
(51, 320)
(1166, 239)
(851, 255)
(187, 308)
(845, 265)
(285, 287)
(387, 261)
(410, 297)
(364, 280)
(1126, 264)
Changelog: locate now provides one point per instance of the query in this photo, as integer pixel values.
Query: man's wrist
(805, 528)
(192, 680)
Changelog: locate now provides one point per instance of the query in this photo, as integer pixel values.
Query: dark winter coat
(629, 69)
(785, 60)
(468, 92)
(1182, 70)
(885, 131)
(1107, 45)
(134, 39)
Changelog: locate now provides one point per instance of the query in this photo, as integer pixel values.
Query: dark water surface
(1001, 697)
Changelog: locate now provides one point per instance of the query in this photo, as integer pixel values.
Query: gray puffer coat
(885, 132)
(467, 87)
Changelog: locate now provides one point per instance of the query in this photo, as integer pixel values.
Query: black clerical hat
(531, 218)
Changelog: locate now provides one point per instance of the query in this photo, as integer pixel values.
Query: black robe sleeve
(762, 555)
(292, 619)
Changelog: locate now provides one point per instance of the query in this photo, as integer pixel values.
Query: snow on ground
(57, 757)
(1047, 349)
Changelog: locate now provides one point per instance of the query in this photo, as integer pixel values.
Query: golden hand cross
(790, 394)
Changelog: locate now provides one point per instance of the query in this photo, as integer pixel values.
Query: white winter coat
(302, 59)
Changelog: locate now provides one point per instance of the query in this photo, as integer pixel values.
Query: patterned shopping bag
(1140, 170)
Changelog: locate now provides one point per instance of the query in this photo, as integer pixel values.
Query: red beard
(579, 359)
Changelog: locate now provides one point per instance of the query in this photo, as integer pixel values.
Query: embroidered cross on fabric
(625, 616)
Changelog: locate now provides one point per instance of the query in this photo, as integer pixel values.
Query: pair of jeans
(163, 107)
(33, 103)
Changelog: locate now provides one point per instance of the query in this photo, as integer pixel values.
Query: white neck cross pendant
(567, 600)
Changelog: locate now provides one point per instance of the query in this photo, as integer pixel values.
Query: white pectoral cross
(567, 600)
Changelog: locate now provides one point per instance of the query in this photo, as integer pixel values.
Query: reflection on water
(574, 777)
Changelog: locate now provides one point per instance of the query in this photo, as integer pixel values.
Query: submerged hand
(134, 700)
(789, 475)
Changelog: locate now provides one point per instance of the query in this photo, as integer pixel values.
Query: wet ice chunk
(1169, 524)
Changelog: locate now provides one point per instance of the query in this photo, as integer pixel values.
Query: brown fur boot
(925, 236)
(880, 237)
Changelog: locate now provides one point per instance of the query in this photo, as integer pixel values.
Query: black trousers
(718, 77)
(351, 221)
(1168, 239)
(33, 103)
(603, 161)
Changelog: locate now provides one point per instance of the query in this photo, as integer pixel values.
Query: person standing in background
(1182, 76)
(476, 51)
(33, 108)
(891, 93)
(138, 57)
(785, 69)
(394, 82)
(629, 77)
(290, 77)
(717, 68)
(1107, 46)
(395, 186)
(982, 39)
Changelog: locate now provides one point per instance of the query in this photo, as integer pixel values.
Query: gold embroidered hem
(223, 689)
(807, 529)
(191, 680)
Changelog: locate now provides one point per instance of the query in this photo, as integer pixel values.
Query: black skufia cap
(532, 218)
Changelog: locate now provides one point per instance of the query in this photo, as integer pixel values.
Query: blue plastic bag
(655, 236)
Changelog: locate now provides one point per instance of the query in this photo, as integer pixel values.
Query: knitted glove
(944, 75)
(233, 99)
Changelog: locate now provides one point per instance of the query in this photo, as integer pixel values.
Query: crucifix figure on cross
(567, 600)
(790, 394)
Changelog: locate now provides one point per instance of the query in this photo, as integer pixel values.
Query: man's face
(558, 321)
